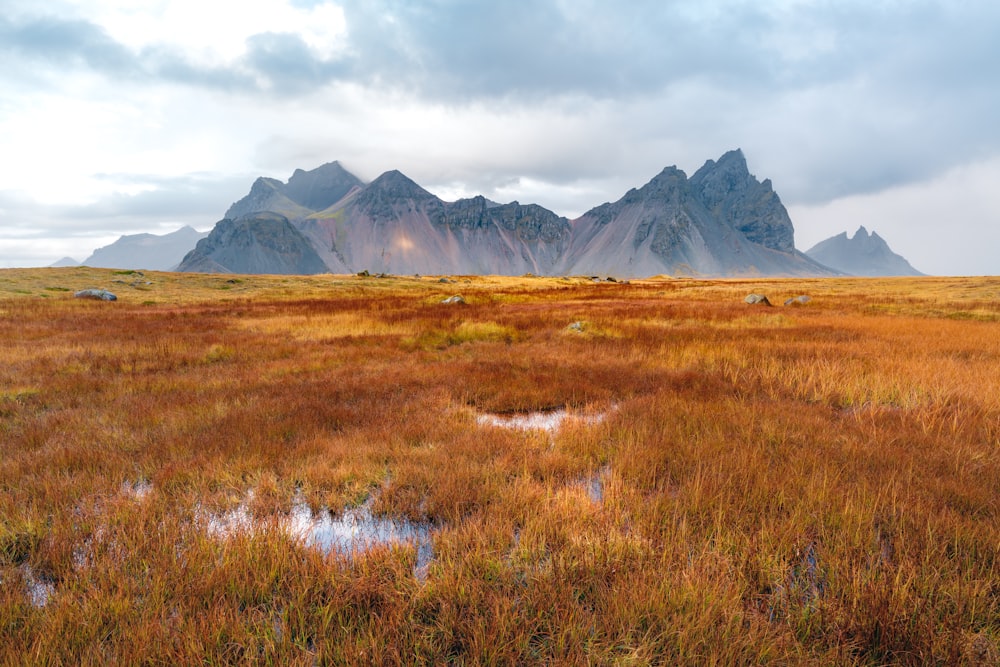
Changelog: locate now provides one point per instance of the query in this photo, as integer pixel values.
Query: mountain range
(154, 252)
(721, 221)
(863, 255)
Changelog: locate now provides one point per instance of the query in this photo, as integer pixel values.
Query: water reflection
(357, 530)
(549, 421)
(40, 589)
(137, 489)
(353, 531)
(595, 484)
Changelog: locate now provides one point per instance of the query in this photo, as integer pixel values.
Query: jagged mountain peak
(864, 254)
(389, 194)
(305, 192)
(733, 159)
(265, 184)
(397, 183)
(321, 187)
(725, 174)
(731, 192)
(671, 176)
(266, 194)
(863, 238)
(328, 167)
(668, 185)
(717, 180)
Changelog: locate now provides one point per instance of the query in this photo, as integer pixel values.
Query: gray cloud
(288, 65)
(878, 93)
(274, 63)
(903, 55)
(198, 200)
(59, 43)
(461, 51)
(827, 99)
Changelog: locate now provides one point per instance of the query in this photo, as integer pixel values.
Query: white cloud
(65, 146)
(214, 31)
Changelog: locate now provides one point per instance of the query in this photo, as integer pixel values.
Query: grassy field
(645, 473)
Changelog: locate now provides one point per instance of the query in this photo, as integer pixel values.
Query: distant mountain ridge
(862, 255)
(154, 252)
(720, 222)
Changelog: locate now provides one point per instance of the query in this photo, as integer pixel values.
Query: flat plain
(557, 470)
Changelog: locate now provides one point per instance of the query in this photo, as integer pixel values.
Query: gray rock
(454, 299)
(798, 300)
(96, 294)
(757, 299)
(576, 326)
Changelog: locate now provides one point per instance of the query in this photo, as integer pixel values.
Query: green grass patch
(465, 332)
(217, 353)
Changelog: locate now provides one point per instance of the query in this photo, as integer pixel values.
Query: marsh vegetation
(682, 478)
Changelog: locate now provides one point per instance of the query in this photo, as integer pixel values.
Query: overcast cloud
(116, 119)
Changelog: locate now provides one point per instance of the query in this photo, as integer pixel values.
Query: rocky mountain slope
(720, 222)
(862, 255)
(395, 226)
(305, 192)
(254, 243)
(146, 251)
(728, 191)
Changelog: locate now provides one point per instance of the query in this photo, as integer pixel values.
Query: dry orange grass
(812, 484)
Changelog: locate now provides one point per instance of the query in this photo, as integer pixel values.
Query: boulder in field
(753, 299)
(96, 294)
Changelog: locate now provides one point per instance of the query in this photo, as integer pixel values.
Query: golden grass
(811, 484)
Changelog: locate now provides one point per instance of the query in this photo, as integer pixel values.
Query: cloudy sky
(127, 116)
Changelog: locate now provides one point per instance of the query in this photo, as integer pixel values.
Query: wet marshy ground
(343, 470)
(348, 533)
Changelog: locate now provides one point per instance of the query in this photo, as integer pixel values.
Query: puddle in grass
(137, 489)
(357, 530)
(352, 532)
(549, 421)
(595, 484)
(40, 589)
